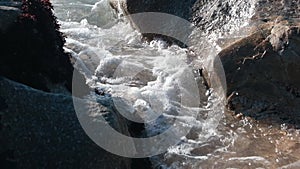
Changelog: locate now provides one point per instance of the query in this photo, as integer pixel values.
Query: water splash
(233, 143)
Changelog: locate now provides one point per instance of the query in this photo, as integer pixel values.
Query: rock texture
(268, 10)
(219, 16)
(41, 130)
(32, 47)
(262, 72)
(262, 69)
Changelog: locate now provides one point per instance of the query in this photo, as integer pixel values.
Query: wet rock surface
(41, 130)
(262, 69)
(262, 72)
(207, 15)
(220, 17)
(268, 10)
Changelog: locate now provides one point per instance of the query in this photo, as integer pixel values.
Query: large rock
(214, 15)
(262, 72)
(175, 7)
(170, 28)
(32, 46)
(41, 130)
(209, 16)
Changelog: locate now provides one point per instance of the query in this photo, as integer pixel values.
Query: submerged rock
(41, 130)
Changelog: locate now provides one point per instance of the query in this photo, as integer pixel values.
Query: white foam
(250, 158)
(149, 81)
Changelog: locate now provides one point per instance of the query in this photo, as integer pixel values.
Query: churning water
(148, 78)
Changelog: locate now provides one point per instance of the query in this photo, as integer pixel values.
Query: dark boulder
(32, 47)
(41, 130)
(166, 25)
(179, 8)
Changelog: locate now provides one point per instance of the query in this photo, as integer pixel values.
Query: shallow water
(146, 80)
